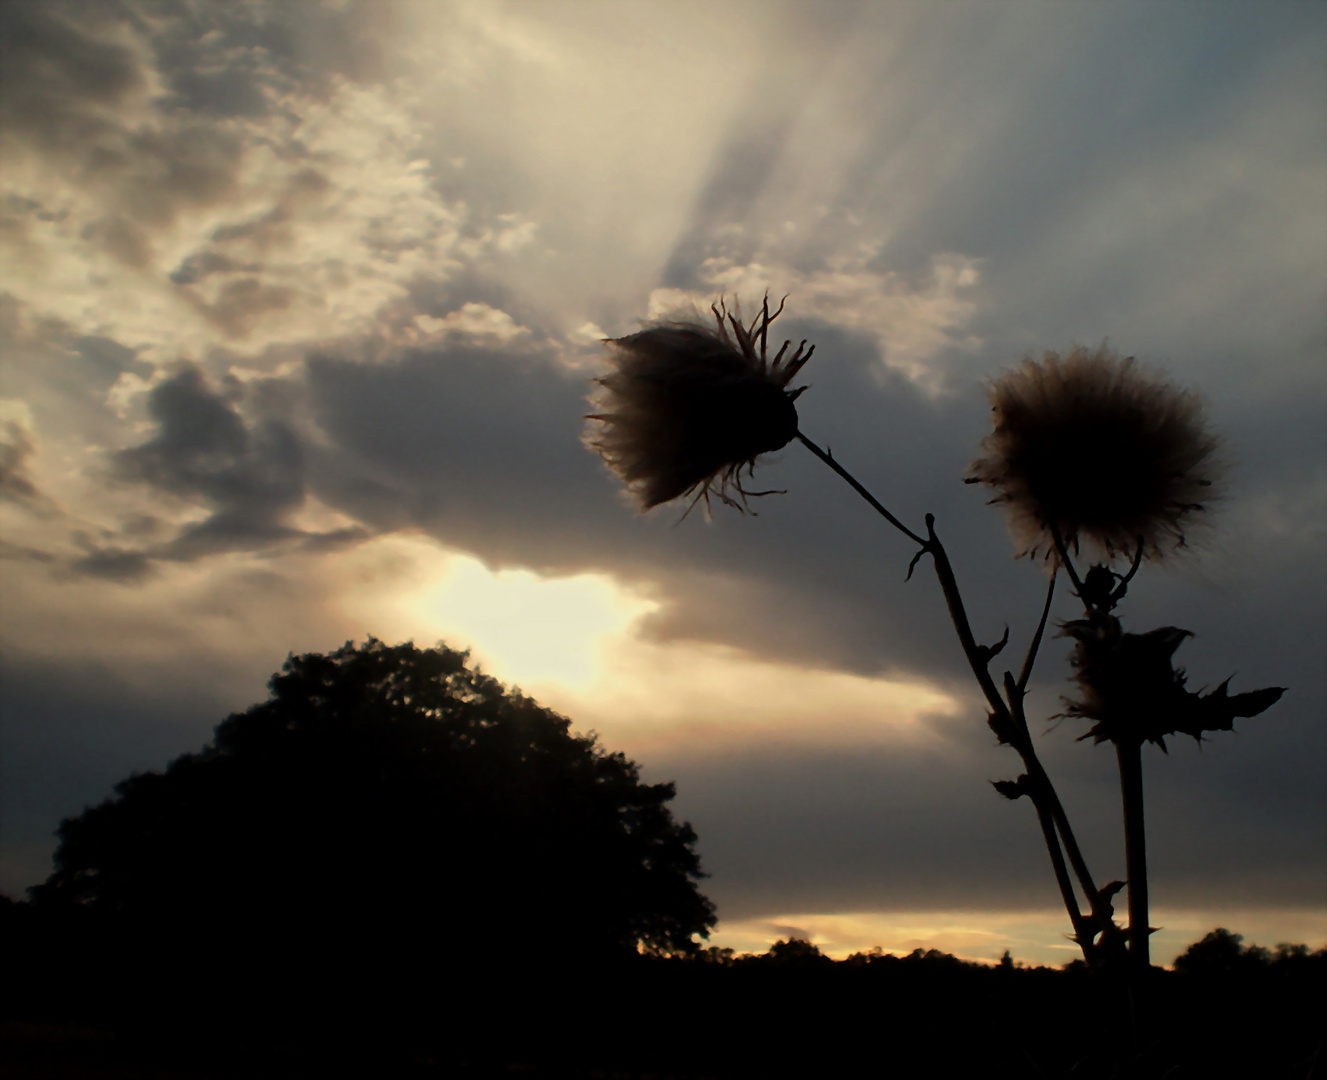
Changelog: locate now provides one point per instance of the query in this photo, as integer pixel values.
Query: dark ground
(80, 1003)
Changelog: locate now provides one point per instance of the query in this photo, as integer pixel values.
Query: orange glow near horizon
(1031, 937)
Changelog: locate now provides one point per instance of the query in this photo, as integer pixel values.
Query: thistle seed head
(690, 405)
(1100, 450)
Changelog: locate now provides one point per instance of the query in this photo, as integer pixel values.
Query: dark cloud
(22, 553)
(69, 77)
(482, 447)
(205, 263)
(224, 59)
(816, 830)
(112, 564)
(57, 78)
(16, 450)
(65, 64)
(240, 303)
(123, 240)
(251, 475)
(475, 443)
(248, 470)
(75, 80)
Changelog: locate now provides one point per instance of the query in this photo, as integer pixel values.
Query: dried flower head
(691, 405)
(1093, 447)
(1132, 691)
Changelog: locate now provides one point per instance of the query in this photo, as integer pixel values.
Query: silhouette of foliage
(388, 804)
(796, 953)
(1223, 955)
(789, 1012)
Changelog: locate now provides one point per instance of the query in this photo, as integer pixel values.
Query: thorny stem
(1102, 918)
(1008, 718)
(1082, 931)
(1014, 722)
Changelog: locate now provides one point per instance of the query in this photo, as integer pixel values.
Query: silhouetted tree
(795, 952)
(1221, 953)
(387, 804)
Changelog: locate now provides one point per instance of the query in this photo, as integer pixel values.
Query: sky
(300, 304)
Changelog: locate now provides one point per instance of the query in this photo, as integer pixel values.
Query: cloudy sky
(299, 306)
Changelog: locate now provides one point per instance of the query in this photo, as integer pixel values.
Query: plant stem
(1011, 717)
(828, 459)
(1008, 720)
(1063, 551)
(1031, 658)
(1082, 932)
(1130, 756)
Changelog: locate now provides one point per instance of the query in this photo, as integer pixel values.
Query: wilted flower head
(1132, 691)
(690, 405)
(1103, 452)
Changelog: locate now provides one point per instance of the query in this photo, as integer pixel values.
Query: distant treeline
(1220, 954)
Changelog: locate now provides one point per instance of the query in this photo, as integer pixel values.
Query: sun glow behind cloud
(581, 645)
(523, 628)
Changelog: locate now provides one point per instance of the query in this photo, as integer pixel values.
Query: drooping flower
(690, 405)
(1095, 448)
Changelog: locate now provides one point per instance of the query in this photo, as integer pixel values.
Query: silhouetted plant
(1094, 459)
(691, 405)
(393, 807)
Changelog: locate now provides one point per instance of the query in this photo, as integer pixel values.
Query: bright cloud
(913, 323)
(297, 317)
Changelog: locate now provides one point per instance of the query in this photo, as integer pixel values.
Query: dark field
(79, 1004)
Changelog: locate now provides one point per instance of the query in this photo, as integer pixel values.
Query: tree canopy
(391, 797)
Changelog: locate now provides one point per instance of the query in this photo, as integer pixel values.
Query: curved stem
(1031, 658)
(1133, 567)
(958, 615)
(828, 459)
(1063, 552)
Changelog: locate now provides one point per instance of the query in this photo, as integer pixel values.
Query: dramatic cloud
(299, 308)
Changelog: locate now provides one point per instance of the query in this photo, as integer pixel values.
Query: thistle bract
(1095, 448)
(1132, 691)
(690, 405)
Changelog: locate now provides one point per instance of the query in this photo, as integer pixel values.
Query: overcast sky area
(299, 307)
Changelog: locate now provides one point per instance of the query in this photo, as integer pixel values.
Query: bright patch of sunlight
(523, 628)
(574, 644)
(658, 698)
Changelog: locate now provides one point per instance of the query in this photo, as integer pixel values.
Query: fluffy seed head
(1104, 452)
(690, 405)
